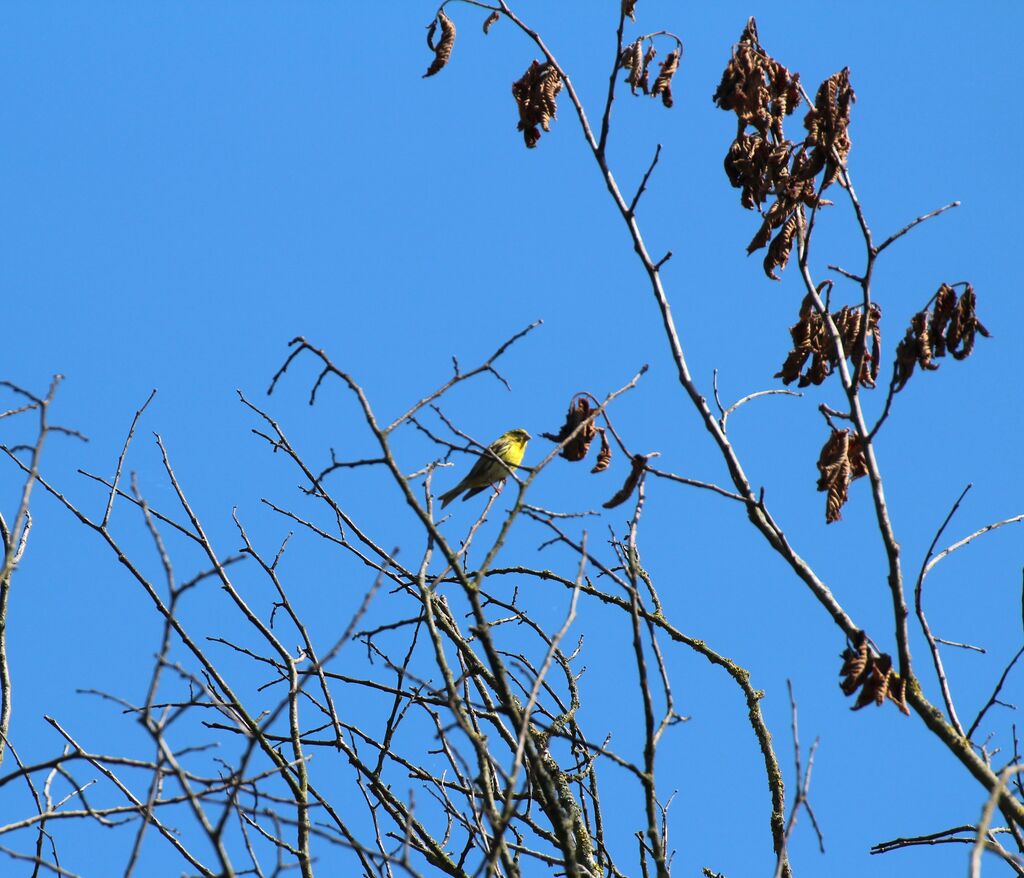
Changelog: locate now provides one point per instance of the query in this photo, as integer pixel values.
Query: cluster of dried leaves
(442, 49)
(581, 416)
(827, 124)
(756, 87)
(840, 462)
(950, 327)
(762, 162)
(579, 420)
(535, 93)
(764, 165)
(812, 340)
(873, 675)
(636, 61)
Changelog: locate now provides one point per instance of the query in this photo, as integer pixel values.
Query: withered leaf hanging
(629, 9)
(535, 93)
(780, 248)
(827, 124)
(649, 56)
(491, 19)
(579, 413)
(637, 64)
(663, 84)
(443, 48)
(811, 340)
(756, 87)
(841, 461)
(604, 456)
(873, 675)
(764, 163)
(950, 327)
(638, 465)
(632, 61)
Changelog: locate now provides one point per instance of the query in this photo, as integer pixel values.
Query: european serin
(487, 471)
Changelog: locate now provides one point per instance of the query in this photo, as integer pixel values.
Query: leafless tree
(450, 703)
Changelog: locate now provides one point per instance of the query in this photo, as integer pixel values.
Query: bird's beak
(528, 436)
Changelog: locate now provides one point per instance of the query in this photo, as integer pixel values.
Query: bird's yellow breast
(516, 450)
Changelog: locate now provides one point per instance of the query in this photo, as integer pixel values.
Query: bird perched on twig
(508, 448)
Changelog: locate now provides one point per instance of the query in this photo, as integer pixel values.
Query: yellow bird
(509, 447)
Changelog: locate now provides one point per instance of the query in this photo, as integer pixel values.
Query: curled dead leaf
(855, 665)
(443, 48)
(491, 19)
(629, 9)
(604, 456)
(535, 93)
(841, 461)
(632, 61)
(663, 84)
(780, 248)
(963, 326)
(638, 465)
(649, 56)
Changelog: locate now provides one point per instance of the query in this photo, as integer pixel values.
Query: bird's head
(520, 436)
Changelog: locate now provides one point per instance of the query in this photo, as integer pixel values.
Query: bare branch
(897, 235)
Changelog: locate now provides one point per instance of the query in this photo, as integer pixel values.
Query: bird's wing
(478, 469)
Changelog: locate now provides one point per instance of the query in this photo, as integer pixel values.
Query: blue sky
(185, 188)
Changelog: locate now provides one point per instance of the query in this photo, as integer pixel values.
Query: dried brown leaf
(639, 464)
(443, 49)
(761, 238)
(963, 326)
(898, 693)
(868, 374)
(579, 413)
(781, 247)
(855, 665)
(632, 60)
(777, 215)
(943, 309)
(906, 359)
(604, 456)
(809, 337)
(645, 74)
(491, 19)
(629, 9)
(663, 84)
(841, 461)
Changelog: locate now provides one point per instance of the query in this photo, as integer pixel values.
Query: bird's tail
(447, 497)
